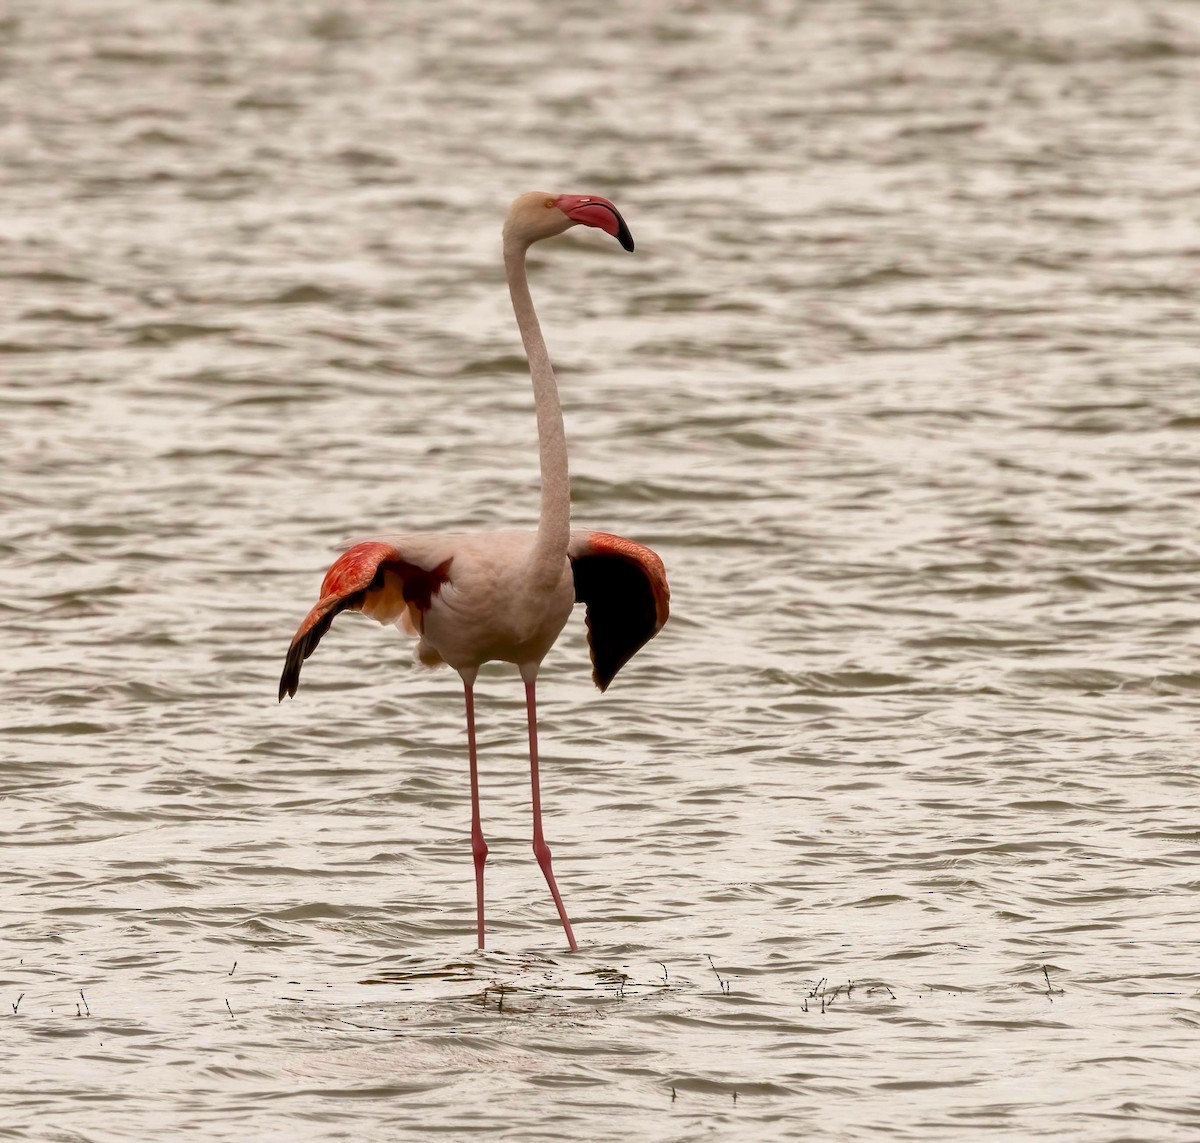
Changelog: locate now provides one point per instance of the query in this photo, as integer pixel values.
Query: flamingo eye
(549, 203)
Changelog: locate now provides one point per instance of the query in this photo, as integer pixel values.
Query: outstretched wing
(372, 577)
(625, 588)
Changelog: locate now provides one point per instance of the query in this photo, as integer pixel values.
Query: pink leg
(540, 848)
(479, 847)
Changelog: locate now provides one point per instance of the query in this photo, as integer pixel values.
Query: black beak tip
(624, 237)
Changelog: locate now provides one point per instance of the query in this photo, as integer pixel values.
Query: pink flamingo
(476, 598)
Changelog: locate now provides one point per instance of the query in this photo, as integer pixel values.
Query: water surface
(892, 834)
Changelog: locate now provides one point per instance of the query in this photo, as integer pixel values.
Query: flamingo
(506, 595)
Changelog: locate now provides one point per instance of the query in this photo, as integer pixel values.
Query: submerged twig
(726, 986)
(18, 1003)
(86, 1009)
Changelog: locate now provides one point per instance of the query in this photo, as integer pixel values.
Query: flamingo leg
(479, 849)
(540, 848)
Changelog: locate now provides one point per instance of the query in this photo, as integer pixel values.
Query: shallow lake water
(892, 834)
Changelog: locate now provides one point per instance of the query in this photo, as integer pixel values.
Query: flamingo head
(535, 216)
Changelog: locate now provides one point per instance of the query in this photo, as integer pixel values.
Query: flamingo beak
(599, 212)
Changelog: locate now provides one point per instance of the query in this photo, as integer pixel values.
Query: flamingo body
(467, 599)
(473, 598)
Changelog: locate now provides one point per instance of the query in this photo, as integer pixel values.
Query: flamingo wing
(624, 586)
(372, 577)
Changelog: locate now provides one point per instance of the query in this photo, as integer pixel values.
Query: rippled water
(901, 382)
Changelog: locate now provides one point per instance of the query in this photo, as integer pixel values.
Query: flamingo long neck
(554, 524)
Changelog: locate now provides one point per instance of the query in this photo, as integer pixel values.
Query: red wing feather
(372, 577)
(624, 586)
